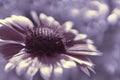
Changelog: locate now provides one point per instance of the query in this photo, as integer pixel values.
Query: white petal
(67, 26)
(46, 71)
(85, 70)
(51, 22)
(58, 70)
(70, 35)
(36, 62)
(10, 41)
(35, 17)
(79, 47)
(50, 19)
(92, 47)
(32, 70)
(6, 21)
(56, 23)
(21, 20)
(17, 58)
(80, 37)
(0, 25)
(13, 62)
(68, 64)
(91, 69)
(12, 33)
(9, 66)
(2, 42)
(74, 31)
(80, 61)
(89, 41)
(82, 53)
(22, 66)
(17, 23)
(43, 18)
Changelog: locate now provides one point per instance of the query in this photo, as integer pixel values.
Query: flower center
(44, 41)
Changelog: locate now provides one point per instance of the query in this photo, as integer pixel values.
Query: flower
(43, 46)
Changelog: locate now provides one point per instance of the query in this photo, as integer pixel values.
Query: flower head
(45, 46)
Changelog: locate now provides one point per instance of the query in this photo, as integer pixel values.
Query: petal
(80, 61)
(58, 72)
(36, 62)
(22, 21)
(50, 20)
(68, 64)
(85, 70)
(31, 72)
(43, 18)
(9, 66)
(46, 71)
(80, 42)
(8, 50)
(56, 24)
(73, 31)
(82, 53)
(7, 33)
(89, 41)
(19, 23)
(16, 59)
(80, 47)
(23, 66)
(70, 35)
(35, 18)
(80, 37)
(72, 42)
(8, 22)
(2, 42)
(66, 27)
(91, 69)
(83, 49)
(33, 69)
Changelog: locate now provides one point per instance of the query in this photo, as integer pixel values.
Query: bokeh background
(99, 19)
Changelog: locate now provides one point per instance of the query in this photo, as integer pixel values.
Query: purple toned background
(99, 19)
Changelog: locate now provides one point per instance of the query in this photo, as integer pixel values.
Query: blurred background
(99, 19)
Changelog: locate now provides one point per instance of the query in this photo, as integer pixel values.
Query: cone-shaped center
(44, 41)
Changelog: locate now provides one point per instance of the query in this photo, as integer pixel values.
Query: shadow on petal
(8, 50)
(8, 33)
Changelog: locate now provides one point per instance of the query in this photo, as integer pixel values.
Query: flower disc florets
(44, 41)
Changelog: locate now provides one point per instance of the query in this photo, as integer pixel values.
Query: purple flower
(45, 46)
